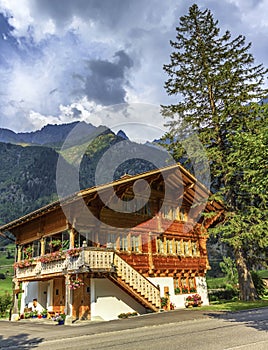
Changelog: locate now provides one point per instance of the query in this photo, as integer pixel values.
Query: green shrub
(5, 304)
(258, 283)
(127, 315)
(223, 294)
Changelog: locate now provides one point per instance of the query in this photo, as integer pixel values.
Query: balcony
(98, 260)
(92, 258)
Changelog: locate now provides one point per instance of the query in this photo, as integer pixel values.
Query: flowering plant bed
(52, 257)
(193, 300)
(74, 251)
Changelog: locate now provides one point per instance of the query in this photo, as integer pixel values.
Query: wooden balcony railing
(96, 260)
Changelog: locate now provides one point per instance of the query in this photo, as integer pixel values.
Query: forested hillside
(27, 179)
(28, 173)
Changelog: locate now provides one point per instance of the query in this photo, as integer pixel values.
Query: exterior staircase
(135, 284)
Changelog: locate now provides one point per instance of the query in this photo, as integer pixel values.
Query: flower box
(24, 263)
(193, 301)
(74, 252)
(52, 257)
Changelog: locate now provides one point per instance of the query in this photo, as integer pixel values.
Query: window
(184, 285)
(160, 246)
(167, 212)
(170, 246)
(111, 240)
(123, 242)
(195, 249)
(36, 248)
(135, 243)
(186, 248)
(179, 248)
(174, 213)
(183, 214)
(191, 281)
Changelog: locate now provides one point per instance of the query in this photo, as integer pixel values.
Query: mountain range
(29, 162)
(48, 135)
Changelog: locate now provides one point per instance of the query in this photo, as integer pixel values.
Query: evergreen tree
(218, 85)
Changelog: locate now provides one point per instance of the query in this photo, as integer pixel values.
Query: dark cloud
(106, 81)
(104, 11)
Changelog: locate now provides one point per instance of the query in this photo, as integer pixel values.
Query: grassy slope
(6, 265)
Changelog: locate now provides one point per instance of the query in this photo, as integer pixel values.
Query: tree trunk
(247, 291)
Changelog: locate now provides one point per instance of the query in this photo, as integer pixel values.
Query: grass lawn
(6, 285)
(220, 282)
(236, 305)
(214, 283)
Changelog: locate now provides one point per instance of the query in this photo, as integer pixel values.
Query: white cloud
(49, 68)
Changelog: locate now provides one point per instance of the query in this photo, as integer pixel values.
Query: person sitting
(35, 306)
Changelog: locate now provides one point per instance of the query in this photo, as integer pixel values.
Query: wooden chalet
(103, 251)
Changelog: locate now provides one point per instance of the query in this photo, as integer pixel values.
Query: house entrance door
(43, 289)
(81, 300)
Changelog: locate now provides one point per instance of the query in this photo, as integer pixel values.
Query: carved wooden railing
(29, 271)
(96, 260)
(137, 281)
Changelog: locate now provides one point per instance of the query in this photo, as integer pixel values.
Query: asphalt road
(179, 329)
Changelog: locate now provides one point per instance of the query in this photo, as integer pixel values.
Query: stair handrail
(154, 289)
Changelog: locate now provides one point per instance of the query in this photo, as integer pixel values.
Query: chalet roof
(177, 175)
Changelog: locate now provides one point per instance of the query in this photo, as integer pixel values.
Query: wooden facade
(128, 232)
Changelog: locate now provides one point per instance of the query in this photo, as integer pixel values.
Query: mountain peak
(122, 134)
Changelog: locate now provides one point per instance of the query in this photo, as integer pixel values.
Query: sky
(66, 60)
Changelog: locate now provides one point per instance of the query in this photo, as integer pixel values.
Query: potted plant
(60, 319)
(28, 251)
(164, 302)
(55, 243)
(34, 314)
(76, 283)
(172, 306)
(44, 313)
(27, 315)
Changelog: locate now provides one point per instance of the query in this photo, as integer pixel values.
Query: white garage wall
(108, 301)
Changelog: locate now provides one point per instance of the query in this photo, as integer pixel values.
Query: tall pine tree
(217, 85)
